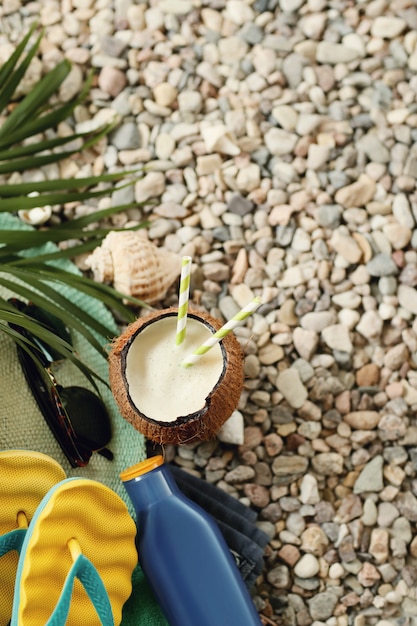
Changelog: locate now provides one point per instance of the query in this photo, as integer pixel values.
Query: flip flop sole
(25, 478)
(92, 515)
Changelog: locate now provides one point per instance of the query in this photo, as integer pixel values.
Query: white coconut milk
(159, 386)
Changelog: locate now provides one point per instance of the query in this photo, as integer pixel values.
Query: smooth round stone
(290, 385)
(307, 566)
(280, 142)
(387, 26)
(126, 137)
(407, 298)
(318, 320)
(270, 354)
(334, 53)
(232, 431)
(149, 186)
(370, 513)
(336, 571)
(165, 94)
(347, 299)
(164, 146)
(387, 285)
(112, 80)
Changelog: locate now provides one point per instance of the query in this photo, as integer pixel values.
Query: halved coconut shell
(220, 403)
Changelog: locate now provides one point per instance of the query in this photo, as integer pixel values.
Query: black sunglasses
(77, 417)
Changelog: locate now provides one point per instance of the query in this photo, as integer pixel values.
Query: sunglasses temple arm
(50, 406)
(106, 453)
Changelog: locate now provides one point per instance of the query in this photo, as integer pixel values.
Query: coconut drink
(167, 399)
(177, 374)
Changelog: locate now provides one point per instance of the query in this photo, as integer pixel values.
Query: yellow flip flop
(25, 478)
(77, 558)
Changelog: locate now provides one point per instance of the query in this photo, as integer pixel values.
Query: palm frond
(62, 184)
(11, 73)
(34, 263)
(50, 338)
(11, 161)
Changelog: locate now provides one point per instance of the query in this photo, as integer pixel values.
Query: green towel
(142, 609)
(22, 425)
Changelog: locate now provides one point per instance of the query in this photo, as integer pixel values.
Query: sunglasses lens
(88, 415)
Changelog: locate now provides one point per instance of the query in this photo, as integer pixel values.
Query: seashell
(134, 265)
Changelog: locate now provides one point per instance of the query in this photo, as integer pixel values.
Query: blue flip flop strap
(91, 580)
(12, 541)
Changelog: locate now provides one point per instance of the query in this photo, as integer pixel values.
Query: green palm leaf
(64, 184)
(32, 266)
(58, 344)
(13, 73)
(10, 160)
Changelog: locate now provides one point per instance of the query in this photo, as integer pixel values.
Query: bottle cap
(142, 468)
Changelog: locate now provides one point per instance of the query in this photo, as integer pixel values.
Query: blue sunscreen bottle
(183, 553)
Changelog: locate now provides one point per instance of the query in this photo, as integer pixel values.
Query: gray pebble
(381, 265)
(126, 137)
(240, 205)
(329, 215)
(321, 605)
(371, 477)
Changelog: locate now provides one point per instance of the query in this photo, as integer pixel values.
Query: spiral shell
(134, 265)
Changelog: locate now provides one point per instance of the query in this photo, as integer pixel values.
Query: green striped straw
(222, 332)
(183, 299)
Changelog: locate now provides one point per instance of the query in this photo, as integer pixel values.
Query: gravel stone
(307, 566)
(292, 388)
(322, 605)
(126, 137)
(112, 80)
(371, 477)
(382, 265)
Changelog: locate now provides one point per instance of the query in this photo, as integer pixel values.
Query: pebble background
(280, 145)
